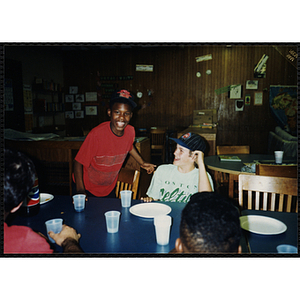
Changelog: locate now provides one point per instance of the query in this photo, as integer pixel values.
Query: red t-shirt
(23, 240)
(102, 155)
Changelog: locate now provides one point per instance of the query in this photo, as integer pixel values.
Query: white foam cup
(162, 224)
(126, 198)
(112, 218)
(54, 225)
(79, 202)
(278, 156)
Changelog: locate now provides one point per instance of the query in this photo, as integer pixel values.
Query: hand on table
(147, 199)
(66, 232)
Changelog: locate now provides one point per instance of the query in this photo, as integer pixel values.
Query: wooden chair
(230, 179)
(276, 170)
(128, 179)
(158, 141)
(268, 193)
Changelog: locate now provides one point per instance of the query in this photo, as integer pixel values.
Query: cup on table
(278, 157)
(54, 225)
(162, 224)
(79, 202)
(126, 198)
(112, 218)
(284, 248)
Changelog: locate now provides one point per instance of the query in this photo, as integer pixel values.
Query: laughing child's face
(120, 115)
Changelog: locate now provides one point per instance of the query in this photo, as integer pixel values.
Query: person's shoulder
(99, 129)
(166, 168)
(129, 128)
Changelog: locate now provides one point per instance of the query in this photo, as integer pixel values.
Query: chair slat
(280, 208)
(289, 203)
(273, 197)
(265, 201)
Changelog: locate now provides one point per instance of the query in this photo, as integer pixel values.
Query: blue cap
(191, 141)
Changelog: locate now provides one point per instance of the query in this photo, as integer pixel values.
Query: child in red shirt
(101, 156)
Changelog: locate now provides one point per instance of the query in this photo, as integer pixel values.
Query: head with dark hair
(209, 224)
(19, 177)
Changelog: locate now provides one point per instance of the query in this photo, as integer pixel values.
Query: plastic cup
(79, 202)
(112, 218)
(284, 248)
(162, 224)
(278, 157)
(126, 198)
(54, 225)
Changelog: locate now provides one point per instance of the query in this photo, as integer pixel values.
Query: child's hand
(66, 232)
(198, 156)
(148, 167)
(147, 199)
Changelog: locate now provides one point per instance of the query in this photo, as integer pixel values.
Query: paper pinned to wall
(203, 58)
(144, 68)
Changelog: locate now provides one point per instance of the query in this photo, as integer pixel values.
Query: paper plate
(44, 198)
(150, 210)
(262, 225)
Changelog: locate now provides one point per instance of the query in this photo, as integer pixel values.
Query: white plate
(262, 224)
(149, 210)
(44, 198)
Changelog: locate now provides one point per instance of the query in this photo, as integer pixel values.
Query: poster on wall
(283, 104)
(69, 114)
(235, 91)
(91, 96)
(91, 110)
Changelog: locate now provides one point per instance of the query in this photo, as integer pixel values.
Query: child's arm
(204, 184)
(78, 176)
(147, 166)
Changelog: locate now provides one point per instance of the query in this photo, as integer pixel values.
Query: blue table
(260, 244)
(136, 234)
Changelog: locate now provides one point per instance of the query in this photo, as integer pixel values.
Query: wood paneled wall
(176, 90)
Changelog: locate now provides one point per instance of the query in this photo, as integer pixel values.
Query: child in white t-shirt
(186, 176)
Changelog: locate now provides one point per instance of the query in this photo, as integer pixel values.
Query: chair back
(276, 170)
(158, 138)
(233, 150)
(158, 141)
(268, 193)
(128, 179)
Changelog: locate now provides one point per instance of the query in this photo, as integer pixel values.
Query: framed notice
(91, 96)
(251, 84)
(73, 89)
(91, 110)
(79, 98)
(69, 114)
(79, 114)
(258, 98)
(69, 98)
(76, 106)
(235, 91)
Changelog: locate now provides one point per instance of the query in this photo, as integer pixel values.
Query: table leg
(231, 186)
